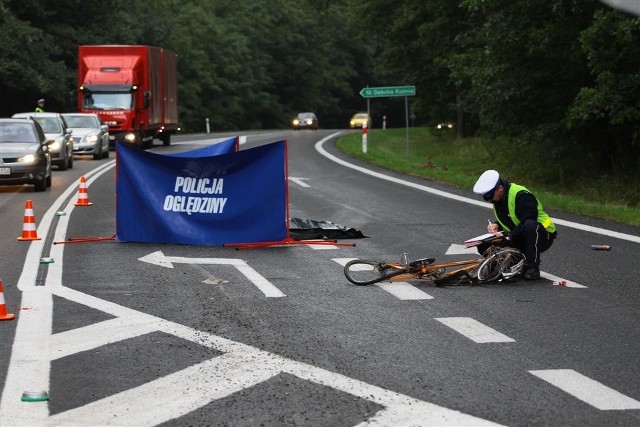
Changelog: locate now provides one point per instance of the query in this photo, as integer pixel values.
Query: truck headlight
(130, 137)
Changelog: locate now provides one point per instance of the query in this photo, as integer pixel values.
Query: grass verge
(442, 158)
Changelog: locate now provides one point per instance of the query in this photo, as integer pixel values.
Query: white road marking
(584, 388)
(456, 249)
(322, 247)
(559, 281)
(403, 291)
(267, 288)
(474, 330)
(299, 181)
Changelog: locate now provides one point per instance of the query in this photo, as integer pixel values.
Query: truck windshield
(108, 101)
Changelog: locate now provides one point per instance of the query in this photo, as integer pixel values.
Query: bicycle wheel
(488, 270)
(504, 262)
(511, 262)
(363, 272)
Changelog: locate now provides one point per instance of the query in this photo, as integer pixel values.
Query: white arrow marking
(158, 258)
(299, 181)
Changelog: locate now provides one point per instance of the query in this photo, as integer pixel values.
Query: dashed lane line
(474, 330)
(586, 389)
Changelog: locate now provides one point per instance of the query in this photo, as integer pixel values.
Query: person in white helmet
(520, 218)
(40, 107)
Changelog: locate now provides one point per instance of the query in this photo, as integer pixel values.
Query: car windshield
(49, 124)
(108, 101)
(14, 132)
(82, 122)
(305, 116)
(361, 116)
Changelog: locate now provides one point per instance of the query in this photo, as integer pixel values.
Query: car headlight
(91, 138)
(130, 137)
(309, 121)
(29, 158)
(296, 122)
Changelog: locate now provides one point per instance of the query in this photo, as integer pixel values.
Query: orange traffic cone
(3, 308)
(29, 225)
(83, 196)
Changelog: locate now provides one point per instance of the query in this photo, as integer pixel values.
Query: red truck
(133, 89)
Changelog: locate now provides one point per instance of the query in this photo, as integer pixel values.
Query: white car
(90, 136)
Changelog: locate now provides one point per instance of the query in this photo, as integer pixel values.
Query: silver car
(24, 154)
(55, 127)
(90, 136)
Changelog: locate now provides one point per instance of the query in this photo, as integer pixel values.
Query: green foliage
(555, 79)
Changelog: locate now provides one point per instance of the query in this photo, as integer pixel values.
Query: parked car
(90, 136)
(305, 121)
(24, 154)
(359, 119)
(55, 127)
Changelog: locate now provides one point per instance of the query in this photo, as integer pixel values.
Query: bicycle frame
(434, 271)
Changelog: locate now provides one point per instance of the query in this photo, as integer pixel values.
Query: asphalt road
(137, 334)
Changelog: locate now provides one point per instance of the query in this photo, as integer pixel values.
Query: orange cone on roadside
(83, 196)
(3, 308)
(29, 224)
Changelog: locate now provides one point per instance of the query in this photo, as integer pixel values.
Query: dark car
(305, 121)
(24, 154)
(55, 127)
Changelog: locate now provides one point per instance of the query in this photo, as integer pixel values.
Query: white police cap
(487, 182)
(40, 101)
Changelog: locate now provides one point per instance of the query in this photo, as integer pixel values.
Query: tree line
(561, 74)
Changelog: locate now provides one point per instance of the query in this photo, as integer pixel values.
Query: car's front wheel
(40, 184)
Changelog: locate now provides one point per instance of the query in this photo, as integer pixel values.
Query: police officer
(520, 217)
(40, 107)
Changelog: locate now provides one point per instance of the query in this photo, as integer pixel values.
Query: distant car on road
(90, 136)
(359, 119)
(55, 127)
(305, 121)
(24, 154)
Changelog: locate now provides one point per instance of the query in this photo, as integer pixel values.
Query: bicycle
(497, 263)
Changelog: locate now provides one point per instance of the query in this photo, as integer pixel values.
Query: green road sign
(381, 92)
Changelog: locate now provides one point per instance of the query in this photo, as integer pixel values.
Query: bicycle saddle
(421, 262)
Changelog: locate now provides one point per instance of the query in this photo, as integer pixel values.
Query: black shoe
(531, 273)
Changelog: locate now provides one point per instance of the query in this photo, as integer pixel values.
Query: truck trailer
(133, 89)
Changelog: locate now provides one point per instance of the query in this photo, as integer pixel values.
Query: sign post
(364, 137)
(385, 92)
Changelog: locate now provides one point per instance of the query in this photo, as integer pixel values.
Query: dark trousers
(532, 240)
